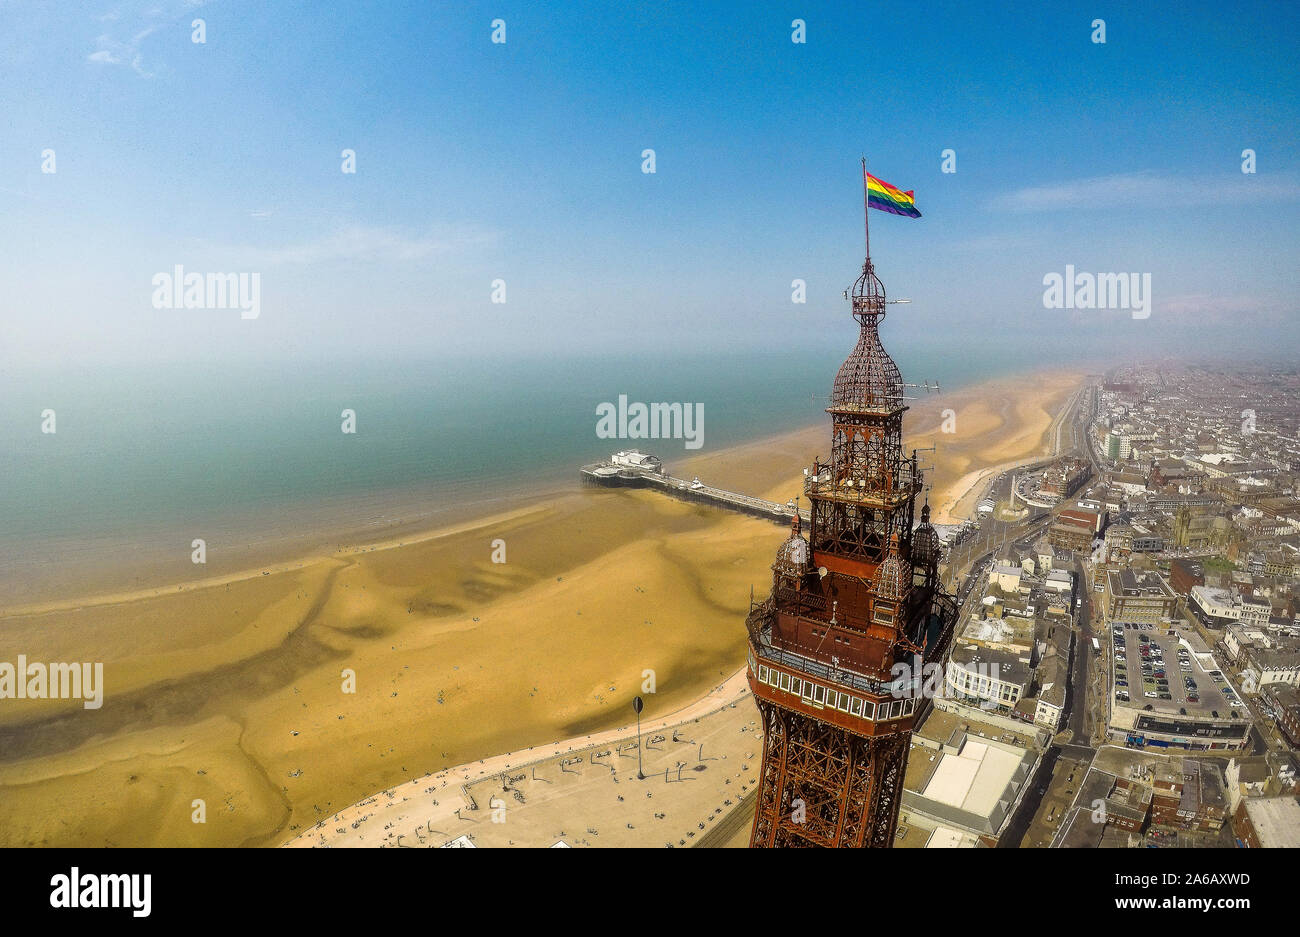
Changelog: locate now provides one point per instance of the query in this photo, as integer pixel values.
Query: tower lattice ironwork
(859, 595)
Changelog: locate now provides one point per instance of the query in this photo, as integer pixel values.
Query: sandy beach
(410, 812)
(232, 691)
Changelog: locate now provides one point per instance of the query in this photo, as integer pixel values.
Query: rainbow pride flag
(882, 195)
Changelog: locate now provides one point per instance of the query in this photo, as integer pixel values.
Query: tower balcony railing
(762, 616)
(759, 625)
(885, 490)
(815, 605)
(885, 405)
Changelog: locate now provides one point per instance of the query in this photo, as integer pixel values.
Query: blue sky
(522, 161)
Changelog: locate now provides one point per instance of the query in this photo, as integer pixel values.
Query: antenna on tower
(925, 386)
(888, 302)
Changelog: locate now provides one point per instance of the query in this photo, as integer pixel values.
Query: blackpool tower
(856, 596)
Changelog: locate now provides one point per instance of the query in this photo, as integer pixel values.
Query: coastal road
(1076, 720)
(1077, 695)
(1014, 833)
(1077, 707)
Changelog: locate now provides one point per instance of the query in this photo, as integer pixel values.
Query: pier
(637, 470)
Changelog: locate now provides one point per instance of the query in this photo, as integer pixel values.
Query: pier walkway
(608, 474)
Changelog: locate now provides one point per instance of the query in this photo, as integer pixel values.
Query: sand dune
(230, 691)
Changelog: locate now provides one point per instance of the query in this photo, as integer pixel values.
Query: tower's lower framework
(822, 786)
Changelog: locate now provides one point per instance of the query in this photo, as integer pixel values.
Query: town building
(1268, 822)
(1138, 596)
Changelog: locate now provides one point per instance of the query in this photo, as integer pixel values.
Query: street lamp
(637, 705)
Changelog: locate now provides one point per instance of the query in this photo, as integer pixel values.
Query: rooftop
(1276, 820)
(1137, 583)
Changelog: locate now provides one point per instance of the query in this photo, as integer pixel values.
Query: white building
(631, 458)
(996, 677)
(1048, 713)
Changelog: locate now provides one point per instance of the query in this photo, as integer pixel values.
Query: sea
(253, 458)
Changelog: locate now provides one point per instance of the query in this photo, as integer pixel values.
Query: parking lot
(1150, 667)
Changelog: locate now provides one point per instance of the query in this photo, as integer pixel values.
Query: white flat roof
(1276, 821)
(975, 779)
(944, 837)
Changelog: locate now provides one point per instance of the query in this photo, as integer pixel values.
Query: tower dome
(925, 541)
(869, 378)
(893, 578)
(792, 556)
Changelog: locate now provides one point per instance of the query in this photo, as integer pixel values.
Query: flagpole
(866, 210)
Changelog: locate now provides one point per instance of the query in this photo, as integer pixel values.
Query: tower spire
(846, 606)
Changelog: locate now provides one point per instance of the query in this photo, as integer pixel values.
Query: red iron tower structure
(856, 597)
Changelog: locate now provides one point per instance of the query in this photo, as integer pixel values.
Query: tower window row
(822, 697)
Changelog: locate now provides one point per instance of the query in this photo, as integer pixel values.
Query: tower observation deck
(851, 600)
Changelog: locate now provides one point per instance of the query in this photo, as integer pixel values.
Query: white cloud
(1150, 190)
(143, 24)
(368, 244)
(113, 52)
